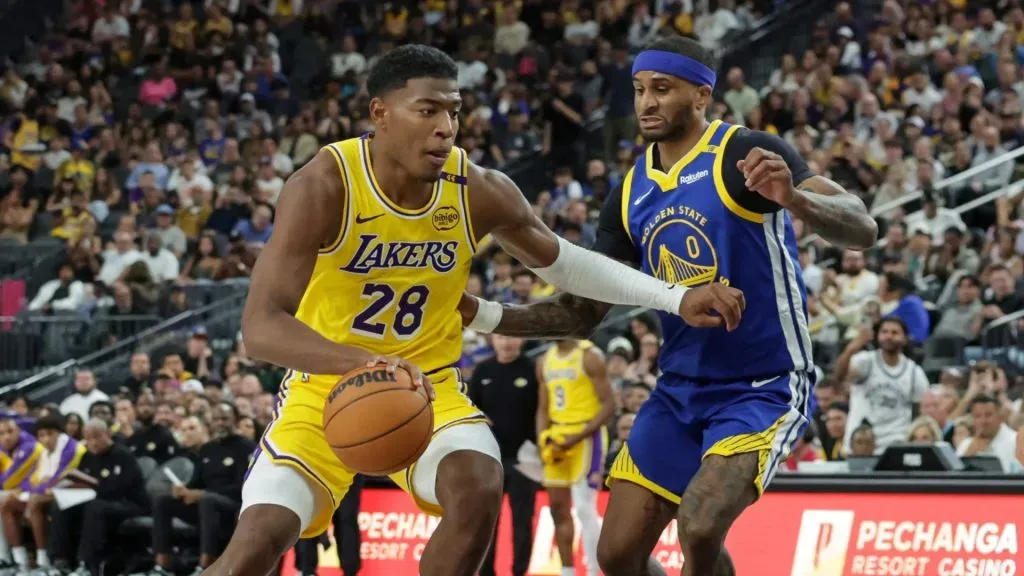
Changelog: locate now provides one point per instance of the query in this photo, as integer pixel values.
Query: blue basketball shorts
(685, 421)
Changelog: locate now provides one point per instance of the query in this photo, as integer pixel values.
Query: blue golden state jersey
(391, 281)
(688, 230)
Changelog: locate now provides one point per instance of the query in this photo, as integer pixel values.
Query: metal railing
(1009, 190)
(222, 320)
(22, 261)
(31, 342)
(1002, 332)
(950, 181)
(944, 183)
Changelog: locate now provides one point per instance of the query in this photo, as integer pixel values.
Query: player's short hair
(982, 399)
(970, 279)
(686, 46)
(395, 68)
(897, 321)
(101, 404)
(54, 422)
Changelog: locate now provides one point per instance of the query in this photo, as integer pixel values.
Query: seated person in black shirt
(147, 438)
(85, 532)
(194, 435)
(212, 499)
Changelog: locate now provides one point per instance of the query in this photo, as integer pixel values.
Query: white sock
(42, 559)
(5, 550)
(585, 500)
(568, 572)
(20, 556)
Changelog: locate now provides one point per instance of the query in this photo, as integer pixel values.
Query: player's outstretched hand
(713, 305)
(392, 363)
(767, 174)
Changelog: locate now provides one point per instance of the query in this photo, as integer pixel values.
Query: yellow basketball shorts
(583, 460)
(295, 436)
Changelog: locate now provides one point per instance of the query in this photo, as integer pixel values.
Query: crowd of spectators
(152, 141)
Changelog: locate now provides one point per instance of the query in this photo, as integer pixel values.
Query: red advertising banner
(782, 535)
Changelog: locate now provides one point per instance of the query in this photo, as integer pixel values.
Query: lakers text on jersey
(720, 392)
(572, 403)
(389, 283)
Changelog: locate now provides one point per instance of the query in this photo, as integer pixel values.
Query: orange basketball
(377, 423)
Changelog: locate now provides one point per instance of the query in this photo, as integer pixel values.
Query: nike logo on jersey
(485, 381)
(361, 220)
(759, 383)
(641, 199)
(693, 177)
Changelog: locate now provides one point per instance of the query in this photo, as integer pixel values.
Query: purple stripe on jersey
(596, 458)
(252, 462)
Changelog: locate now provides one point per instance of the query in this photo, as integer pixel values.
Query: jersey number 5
(408, 315)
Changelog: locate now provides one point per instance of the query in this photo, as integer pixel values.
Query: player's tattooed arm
(563, 315)
(834, 214)
(829, 210)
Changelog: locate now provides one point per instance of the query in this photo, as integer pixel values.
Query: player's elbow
(867, 234)
(255, 336)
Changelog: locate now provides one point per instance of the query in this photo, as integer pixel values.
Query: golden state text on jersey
(688, 230)
(391, 281)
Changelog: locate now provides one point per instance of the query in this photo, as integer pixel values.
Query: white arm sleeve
(597, 277)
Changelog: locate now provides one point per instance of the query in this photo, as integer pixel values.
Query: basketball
(377, 423)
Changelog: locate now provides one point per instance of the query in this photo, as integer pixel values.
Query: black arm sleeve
(737, 148)
(612, 239)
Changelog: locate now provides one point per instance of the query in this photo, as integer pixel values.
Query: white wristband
(488, 315)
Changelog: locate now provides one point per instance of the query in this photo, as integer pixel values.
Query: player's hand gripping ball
(377, 420)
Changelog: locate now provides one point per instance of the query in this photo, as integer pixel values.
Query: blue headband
(675, 64)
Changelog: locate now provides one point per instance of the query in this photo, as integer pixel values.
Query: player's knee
(561, 511)
(267, 528)
(617, 557)
(699, 529)
(475, 490)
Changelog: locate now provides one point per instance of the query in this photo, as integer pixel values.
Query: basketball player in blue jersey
(708, 204)
(371, 250)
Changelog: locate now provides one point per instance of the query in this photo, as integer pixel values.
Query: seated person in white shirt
(117, 259)
(63, 293)
(992, 437)
(162, 263)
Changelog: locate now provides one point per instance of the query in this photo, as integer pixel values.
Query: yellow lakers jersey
(391, 281)
(571, 395)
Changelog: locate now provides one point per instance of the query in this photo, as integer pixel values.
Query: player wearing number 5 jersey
(370, 254)
(575, 403)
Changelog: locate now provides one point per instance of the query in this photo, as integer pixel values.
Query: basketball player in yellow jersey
(575, 403)
(370, 254)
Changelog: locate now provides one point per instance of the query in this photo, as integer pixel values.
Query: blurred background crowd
(146, 143)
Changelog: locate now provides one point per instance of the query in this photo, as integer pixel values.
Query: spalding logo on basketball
(381, 423)
(376, 375)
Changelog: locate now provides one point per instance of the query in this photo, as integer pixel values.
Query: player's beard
(888, 345)
(676, 128)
